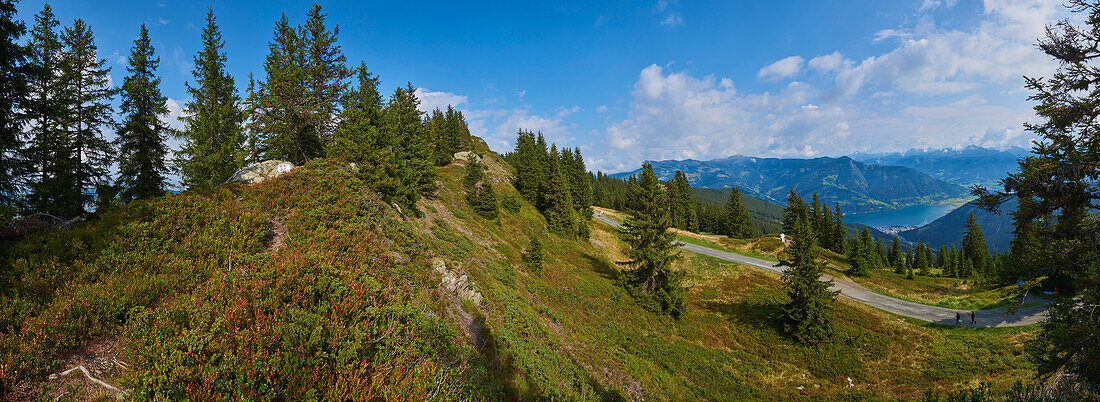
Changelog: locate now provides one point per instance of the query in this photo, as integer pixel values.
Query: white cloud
(929, 60)
(431, 100)
(666, 12)
(163, 21)
(498, 127)
(672, 19)
(784, 68)
(827, 63)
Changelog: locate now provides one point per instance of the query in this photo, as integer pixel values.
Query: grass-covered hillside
(308, 286)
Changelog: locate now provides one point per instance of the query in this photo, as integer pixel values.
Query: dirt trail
(997, 317)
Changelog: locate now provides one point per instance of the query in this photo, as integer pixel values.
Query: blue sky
(628, 81)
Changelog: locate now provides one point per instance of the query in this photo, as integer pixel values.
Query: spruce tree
(480, 195)
(582, 189)
(973, 245)
(325, 73)
(363, 138)
(45, 111)
(895, 252)
(839, 231)
(87, 98)
(214, 140)
(808, 315)
(652, 248)
(795, 209)
(283, 114)
(535, 257)
(404, 120)
(558, 205)
(861, 254)
(14, 74)
(141, 149)
(736, 220)
(921, 262)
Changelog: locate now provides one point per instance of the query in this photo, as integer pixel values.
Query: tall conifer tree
(652, 248)
(13, 98)
(46, 152)
(325, 73)
(214, 140)
(87, 95)
(973, 245)
(141, 149)
(736, 220)
(282, 108)
(808, 315)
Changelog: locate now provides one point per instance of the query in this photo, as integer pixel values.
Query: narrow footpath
(940, 315)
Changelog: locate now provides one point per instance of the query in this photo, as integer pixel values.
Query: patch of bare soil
(90, 373)
(276, 236)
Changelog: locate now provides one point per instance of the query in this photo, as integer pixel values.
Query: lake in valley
(913, 215)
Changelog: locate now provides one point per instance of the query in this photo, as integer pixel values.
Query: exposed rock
(597, 243)
(464, 155)
(260, 171)
(455, 284)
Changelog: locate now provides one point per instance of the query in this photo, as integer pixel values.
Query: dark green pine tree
(282, 111)
(14, 74)
(974, 247)
(819, 229)
(46, 152)
(736, 221)
(87, 95)
(825, 235)
(795, 209)
(582, 189)
(921, 262)
(839, 232)
(456, 135)
(556, 199)
(652, 248)
(405, 121)
(325, 73)
(480, 195)
(861, 254)
(141, 149)
(808, 315)
(529, 171)
(214, 140)
(895, 253)
(363, 138)
(535, 257)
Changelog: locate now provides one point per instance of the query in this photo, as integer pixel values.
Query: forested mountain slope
(857, 186)
(949, 229)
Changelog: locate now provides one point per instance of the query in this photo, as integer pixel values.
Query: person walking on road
(972, 320)
(958, 318)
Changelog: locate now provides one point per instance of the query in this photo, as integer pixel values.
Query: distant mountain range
(949, 229)
(856, 186)
(966, 166)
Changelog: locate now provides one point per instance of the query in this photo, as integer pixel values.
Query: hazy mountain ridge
(965, 166)
(856, 186)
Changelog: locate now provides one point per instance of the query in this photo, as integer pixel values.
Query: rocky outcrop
(458, 285)
(260, 171)
(466, 155)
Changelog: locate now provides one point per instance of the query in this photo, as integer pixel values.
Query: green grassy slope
(351, 307)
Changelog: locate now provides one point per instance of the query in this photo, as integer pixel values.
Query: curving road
(997, 317)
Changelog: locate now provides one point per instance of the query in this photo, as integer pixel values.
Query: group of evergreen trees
(686, 212)
(555, 182)
(827, 224)
(972, 260)
(56, 111)
(54, 157)
(479, 191)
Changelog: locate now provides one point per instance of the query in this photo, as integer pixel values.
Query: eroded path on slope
(984, 318)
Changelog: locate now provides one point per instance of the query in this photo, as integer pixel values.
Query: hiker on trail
(958, 318)
(972, 320)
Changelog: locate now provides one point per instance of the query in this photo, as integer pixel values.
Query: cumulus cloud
(784, 68)
(498, 127)
(827, 63)
(431, 100)
(929, 60)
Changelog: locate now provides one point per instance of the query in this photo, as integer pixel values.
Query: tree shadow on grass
(603, 267)
(758, 311)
